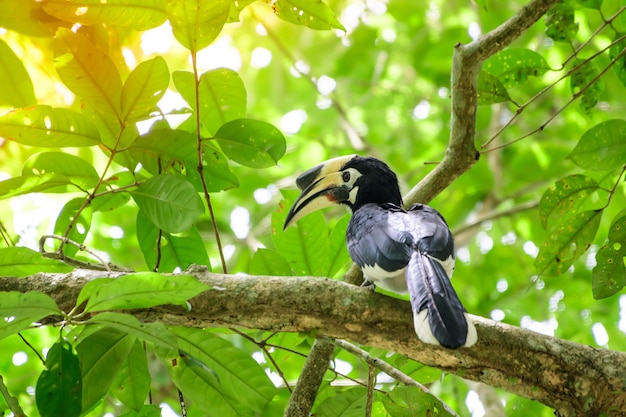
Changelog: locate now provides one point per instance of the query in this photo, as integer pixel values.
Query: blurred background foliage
(380, 88)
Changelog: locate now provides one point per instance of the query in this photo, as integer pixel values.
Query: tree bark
(573, 379)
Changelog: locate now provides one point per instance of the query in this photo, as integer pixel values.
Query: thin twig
(63, 257)
(27, 343)
(496, 215)
(11, 401)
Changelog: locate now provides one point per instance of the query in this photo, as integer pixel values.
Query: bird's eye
(345, 176)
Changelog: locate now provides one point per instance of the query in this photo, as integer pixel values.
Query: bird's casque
(398, 250)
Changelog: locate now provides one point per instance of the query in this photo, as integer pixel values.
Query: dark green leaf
(251, 143)
(338, 249)
(609, 275)
(224, 377)
(591, 4)
(143, 290)
(17, 88)
(59, 387)
(165, 145)
(138, 14)
(80, 224)
(490, 89)
(132, 384)
(579, 83)
(101, 356)
(20, 262)
(196, 23)
(144, 87)
(513, 66)
(562, 197)
(412, 401)
(18, 311)
(561, 23)
(620, 65)
(145, 411)
(349, 403)
(170, 202)
(155, 333)
(87, 71)
(217, 173)
(268, 262)
(603, 147)
(82, 173)
(314, 14)
(571, 238)
(48, 127)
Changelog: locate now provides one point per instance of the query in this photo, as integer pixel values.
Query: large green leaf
(490, 90)
(305, 245)
(173, 251)
(160, 148)
(216, 171)
(81, 172)
(412, 401)
(571, 238)
(609, 275)
(155, 333)
(77, 224)
(18, 261)
(138, 14)
(314, 14)
(29, 18)
(18, 311)
(48, 127)
(222, 96)
(620, 65)
(268, 262)
(142, 290)
(170, 202)
(196, 23)
(349, 403)
(87, 71)
(238, 384)
(132, 384)
(101, 356)
(581, 83)
(251, 142)
(143, 88)
(561, 23)
(17, 88)
(513, 66)
(59, 387)
(603, 147)
(337, 248)
(562, 197)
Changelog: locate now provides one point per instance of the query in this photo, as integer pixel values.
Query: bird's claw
(369, 285)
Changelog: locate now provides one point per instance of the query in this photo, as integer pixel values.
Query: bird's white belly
(391, 281)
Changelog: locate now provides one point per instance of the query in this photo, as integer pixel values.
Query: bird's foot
(368, 284)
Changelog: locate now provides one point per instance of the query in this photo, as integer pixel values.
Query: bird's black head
(351, 180)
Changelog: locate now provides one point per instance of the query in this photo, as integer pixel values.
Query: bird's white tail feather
(422, 329)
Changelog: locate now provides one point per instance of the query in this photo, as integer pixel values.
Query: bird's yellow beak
(322, 186)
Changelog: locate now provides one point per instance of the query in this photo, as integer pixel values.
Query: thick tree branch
(572, 378)
(461, 153)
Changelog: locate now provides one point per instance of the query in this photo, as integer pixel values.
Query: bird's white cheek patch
(353, 193)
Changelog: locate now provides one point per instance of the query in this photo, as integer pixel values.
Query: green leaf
(513, 66)
(490, 90)
(196, 23)
(561, 198)
(44, 126)
(412, 401)
(338, 249)
(18, 311)
(348, 403)
(251, 143)
(170, 202)
(620, 65)
(571, 238)
(50, 183)
(82, 173)
(609, 275)
(17, 88)
(59, 387)
(222, 96)
(314, 14)
(603, 147)
(143, 88)
(142, 290)
(138, 14)
(28, 17)
(80, 225)
(165, 145)
(305, 245)
(18, 261)
(268, 262)
(176, 251)
(155, 333)
(101, 356)
(591, 4)
(217, 173)
(87, 71)
(579, 80)
(241, 385)
(132, 384)
(148, 410)
(235, 10)
(561, 23)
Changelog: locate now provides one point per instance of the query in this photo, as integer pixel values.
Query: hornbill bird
(398, 250)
